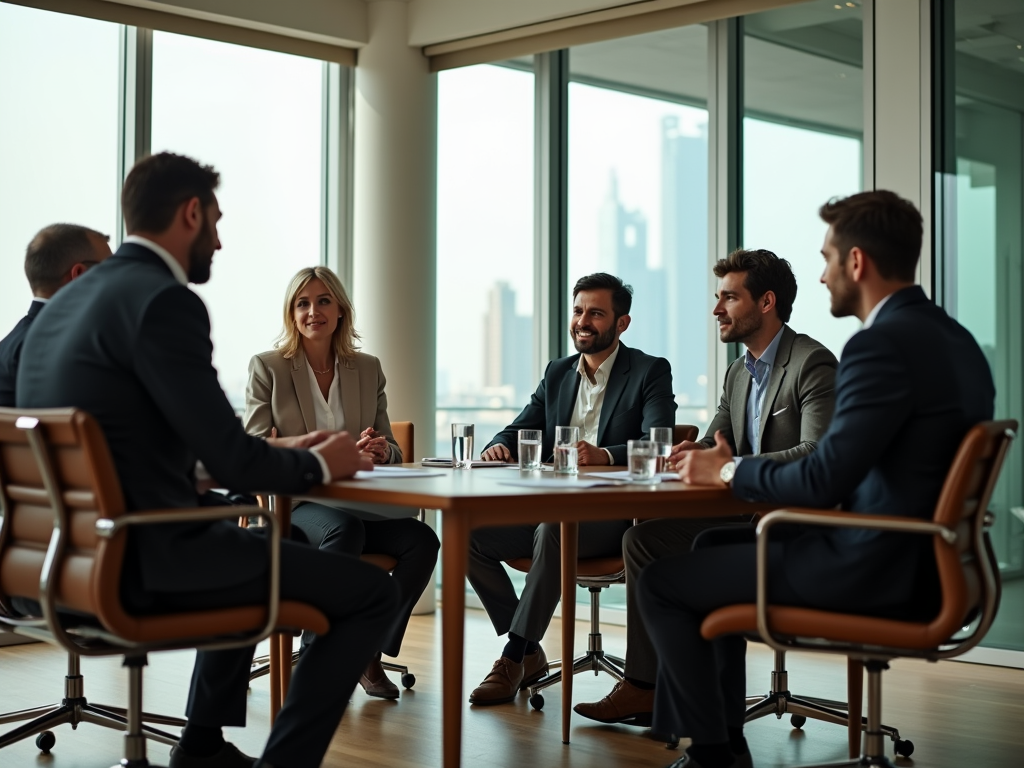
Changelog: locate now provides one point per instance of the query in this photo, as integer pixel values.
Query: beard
(595, 344)
(845, 298)
(200, 256)
(740, 328)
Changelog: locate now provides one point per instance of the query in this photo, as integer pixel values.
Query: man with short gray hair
(57, 255)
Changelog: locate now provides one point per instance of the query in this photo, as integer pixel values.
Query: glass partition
(58, 135)
(980, 236)
(803, 131)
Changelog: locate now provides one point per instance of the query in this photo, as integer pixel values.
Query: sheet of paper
(390, 473)
(562, 483)
(624, 475)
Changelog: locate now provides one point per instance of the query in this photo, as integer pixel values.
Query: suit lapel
(567, 391)
(776, 377)
(738, 409)
(300, 379)
(618, 377)
(349, 385)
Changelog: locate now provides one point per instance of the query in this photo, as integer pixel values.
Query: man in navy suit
(613, 394)
(909, 386)
(57, 255)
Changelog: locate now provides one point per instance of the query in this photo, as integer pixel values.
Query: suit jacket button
(309, 476)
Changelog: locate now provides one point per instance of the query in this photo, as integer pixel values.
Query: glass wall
(803, 130)
(981, 184)
(58, 135)
(638, 193)
(255, 116)
(486, 370)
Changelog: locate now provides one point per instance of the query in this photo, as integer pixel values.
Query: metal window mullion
(135, 107)
(725, 171)
(551, 199)
(337, 177)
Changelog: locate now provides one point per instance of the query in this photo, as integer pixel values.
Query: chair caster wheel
(903, 747)
(45, 742)
(408, 680)
(797, 721)
(673, 743)
(537, 701)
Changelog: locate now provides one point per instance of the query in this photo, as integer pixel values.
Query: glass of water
(662, 437)
(462, 445)
(566, 456)
(529, 448)
(643, 461)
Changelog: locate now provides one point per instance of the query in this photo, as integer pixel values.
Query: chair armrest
(830, 519)
(107, 528)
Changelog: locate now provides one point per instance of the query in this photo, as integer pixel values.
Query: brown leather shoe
(375, 681)
(625, 704)
(535, 666)
(501, 685)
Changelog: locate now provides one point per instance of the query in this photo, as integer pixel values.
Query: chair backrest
(970, 583)
(405, 434)
(682, 432)
(57, 479)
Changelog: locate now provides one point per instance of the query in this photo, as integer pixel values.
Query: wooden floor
(956, 714)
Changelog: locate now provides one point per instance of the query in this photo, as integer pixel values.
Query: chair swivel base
(595, 659)
(261, 668)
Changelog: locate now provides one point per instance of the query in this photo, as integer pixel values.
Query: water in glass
(566, 459)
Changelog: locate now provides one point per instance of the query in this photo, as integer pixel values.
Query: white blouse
(328, 412)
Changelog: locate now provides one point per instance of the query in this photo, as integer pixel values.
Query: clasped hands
(344, 456)
(699, 465)
(587, 455)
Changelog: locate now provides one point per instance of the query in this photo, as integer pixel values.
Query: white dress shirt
(870, 319)
(329, 415)
(586, 414)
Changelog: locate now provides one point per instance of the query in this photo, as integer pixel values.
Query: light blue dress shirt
(760, 370)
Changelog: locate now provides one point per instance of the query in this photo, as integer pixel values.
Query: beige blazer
(278, 395)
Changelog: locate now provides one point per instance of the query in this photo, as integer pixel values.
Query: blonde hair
(345, 335)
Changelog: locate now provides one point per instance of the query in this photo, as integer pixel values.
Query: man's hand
(679, 450)
(704, 467)
(307, 440)
(376, 447)
(590, 455)
(496, 452)
(342, 457)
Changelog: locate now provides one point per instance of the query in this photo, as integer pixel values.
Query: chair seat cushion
(825, 625)
(172, 627)
(592, 567)
(384, 562)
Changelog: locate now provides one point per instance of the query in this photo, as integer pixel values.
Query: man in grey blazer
(776, 403)
(613, 394)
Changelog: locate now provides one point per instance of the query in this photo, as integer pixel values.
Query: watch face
(728, 470)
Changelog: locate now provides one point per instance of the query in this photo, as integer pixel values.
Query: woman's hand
(307, 440)
(374, 446)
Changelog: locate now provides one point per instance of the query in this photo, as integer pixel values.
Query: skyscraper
(508, 345)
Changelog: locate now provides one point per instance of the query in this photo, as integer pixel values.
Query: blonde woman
(315, 379)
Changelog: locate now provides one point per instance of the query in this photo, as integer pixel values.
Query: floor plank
(956, 714)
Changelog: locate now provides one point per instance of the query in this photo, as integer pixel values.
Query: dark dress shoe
(375, 682)
(501, 685)
(535, 666)
(686, 761)
(227, 757)
(625, 704)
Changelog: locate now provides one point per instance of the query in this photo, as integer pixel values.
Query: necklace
(322, 373)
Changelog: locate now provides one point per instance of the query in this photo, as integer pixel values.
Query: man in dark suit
(57, 255)
(777, 403)
(899, 419)
(130, 344)
(613, 394)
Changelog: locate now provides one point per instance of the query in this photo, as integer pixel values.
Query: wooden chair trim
(587, 568)
(681, 432)
(405, 435)
(384, 562)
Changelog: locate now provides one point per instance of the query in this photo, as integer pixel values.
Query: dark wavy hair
(884, 225)
(764, 272)
(622, 294)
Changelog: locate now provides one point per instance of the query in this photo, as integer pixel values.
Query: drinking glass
(643, 461)
(529, 448)
(566, 457)
(462, 445)
(662, 437)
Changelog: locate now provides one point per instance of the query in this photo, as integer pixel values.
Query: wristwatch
(727, 472)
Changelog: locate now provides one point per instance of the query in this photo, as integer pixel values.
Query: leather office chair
(404, 433)
(63, 535)
(968, 578)
(595, 574)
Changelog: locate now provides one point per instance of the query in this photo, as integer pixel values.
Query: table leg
(286, 665)
(570, 547)
(280, 650)
(854, 702)
(275, 676)
(454, 559)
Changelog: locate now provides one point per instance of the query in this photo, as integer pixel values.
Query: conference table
(482, 497)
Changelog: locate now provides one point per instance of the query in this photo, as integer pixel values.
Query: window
(486, 370)
(58, 135)
(638, 189)
(981, 241)
(802, 142)
(256, 116)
